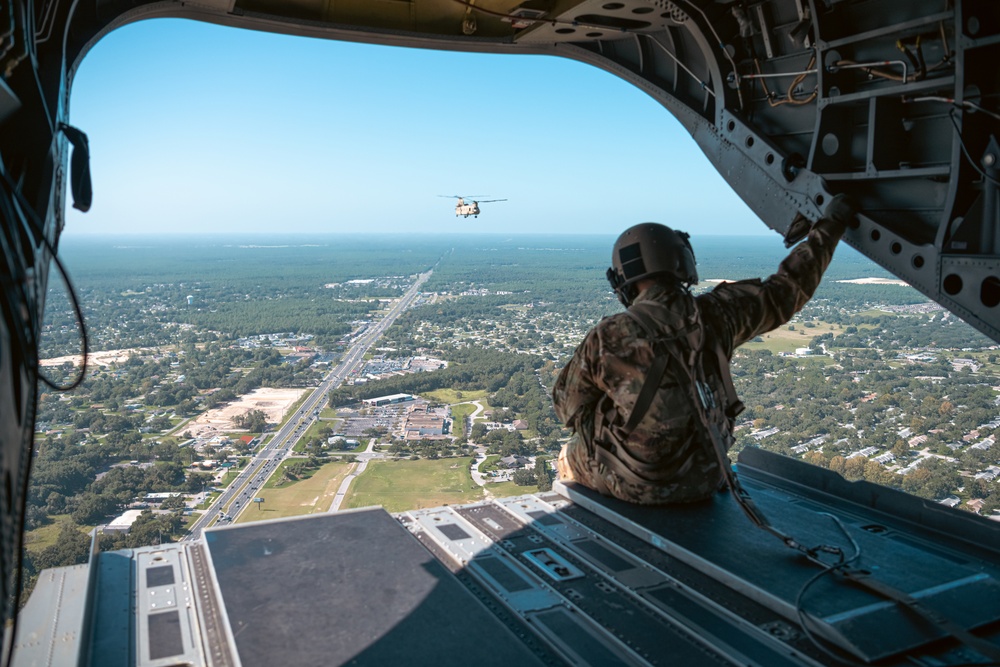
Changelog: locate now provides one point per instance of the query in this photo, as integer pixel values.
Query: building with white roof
(124, 522)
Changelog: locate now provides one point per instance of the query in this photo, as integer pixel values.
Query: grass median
(305, 496)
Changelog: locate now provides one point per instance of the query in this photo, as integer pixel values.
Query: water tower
(190, 299)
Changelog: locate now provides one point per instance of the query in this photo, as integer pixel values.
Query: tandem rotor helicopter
(465, 210)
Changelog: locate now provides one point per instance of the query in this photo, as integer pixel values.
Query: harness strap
(734, 406)
(659, 366)
(649, 388)
(701, 397)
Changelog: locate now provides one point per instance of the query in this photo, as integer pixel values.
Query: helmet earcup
(688, 269)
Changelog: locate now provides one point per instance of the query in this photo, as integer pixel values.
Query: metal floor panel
(716, 538)
(542, 579)
(350, 588)
(593, 590)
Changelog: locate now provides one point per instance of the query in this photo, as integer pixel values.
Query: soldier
(648, 393)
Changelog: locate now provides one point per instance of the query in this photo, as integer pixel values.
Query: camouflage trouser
(700, 483)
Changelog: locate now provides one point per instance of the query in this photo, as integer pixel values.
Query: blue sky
(198, 128)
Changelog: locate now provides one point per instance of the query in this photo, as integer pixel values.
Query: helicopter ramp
(564, 577)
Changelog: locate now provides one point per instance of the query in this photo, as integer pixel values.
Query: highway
(241, 492)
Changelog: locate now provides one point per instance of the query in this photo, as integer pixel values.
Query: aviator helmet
(650, 250)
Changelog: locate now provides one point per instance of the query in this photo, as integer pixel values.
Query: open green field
(406, 485)
(306, 496)
(450, 396)
(313, 432)
(507, 489)
(45, 536)
(783, 340)
(225, 480)
(328, 413)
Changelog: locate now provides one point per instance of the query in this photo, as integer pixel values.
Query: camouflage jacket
(678, 464)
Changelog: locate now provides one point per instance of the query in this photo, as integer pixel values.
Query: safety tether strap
(705, 403)
(649, 388)
(701, 395)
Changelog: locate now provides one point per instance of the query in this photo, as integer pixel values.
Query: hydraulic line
(789, 97)
(869, 67)
(971, 106)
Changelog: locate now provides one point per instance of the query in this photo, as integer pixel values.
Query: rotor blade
(487, 201)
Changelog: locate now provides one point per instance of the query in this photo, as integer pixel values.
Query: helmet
(650, 250)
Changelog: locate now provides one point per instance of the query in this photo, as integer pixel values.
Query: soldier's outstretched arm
(737, 312)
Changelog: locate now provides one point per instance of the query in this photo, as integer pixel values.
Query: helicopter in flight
(465, 210)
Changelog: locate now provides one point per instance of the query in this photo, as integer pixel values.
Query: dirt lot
(274, 403)
(104, 358)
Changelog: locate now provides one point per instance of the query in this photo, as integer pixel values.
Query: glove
(842, 210)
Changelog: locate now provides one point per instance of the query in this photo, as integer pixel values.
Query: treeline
(511, 379)
(501, 441)
(891, 333)
(135, 295)
(469, 369)
(429, 449)
(541, 270)
(72, 547)
(65, 478)
(540, 476)
(254, 421)
(72, 475)
(317, 314)
(524, 394)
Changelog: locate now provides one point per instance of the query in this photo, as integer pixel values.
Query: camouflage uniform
(672, 460)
